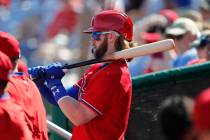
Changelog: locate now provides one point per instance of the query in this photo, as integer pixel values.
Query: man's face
(100, 45)
(101, 49)
(182, 42)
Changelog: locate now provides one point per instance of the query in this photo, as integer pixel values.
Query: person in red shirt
(24, 91)
(13, 125)
(158, 61)
(101, 110)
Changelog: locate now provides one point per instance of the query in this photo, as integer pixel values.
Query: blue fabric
(182, 60)
(183, 3)
(138, 65)
(73, 91)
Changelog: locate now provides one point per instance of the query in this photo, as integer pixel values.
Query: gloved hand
(54, 74)
(37, 74)
(54, 71)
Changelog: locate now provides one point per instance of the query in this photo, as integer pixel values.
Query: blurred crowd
(186, 22)
(51, 30)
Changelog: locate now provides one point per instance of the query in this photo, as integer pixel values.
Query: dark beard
(100, 52)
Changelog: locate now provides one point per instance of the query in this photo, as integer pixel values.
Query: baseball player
(24, 91)
(101, 109)
(12, 120)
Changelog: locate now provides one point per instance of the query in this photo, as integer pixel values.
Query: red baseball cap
(9, 45)
(150, 37)
(201, 111)
(5, 66)
(169, 14)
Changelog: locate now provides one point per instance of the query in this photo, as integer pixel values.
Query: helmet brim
(88, 30)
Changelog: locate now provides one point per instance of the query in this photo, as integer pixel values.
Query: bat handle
(83, 63)
(42, 72)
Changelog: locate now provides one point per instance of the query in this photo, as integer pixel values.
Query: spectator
(13, 125)
(143, 33)
(158, 60)
(171, 15)
(202, 45)
(195, 16)
(183, 31)
(205, 10)
(175, 118)
(61, 22)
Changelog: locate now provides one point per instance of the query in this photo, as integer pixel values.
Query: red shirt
(26, 94)
(196, 61)
(107, 90)
(12, 121)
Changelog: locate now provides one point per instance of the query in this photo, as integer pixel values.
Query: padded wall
(149, 90)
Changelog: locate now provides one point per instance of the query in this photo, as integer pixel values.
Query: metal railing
(58, 130)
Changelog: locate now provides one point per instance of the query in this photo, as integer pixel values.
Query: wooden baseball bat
(141, 50)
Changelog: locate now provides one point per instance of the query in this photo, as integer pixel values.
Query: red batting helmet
(112, 20)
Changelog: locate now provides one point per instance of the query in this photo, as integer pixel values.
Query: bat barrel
(145, 49)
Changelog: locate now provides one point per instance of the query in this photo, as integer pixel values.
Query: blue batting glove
(54, 71)
(47, 94)
(54, 74)
(57, 89)
(37, 74)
